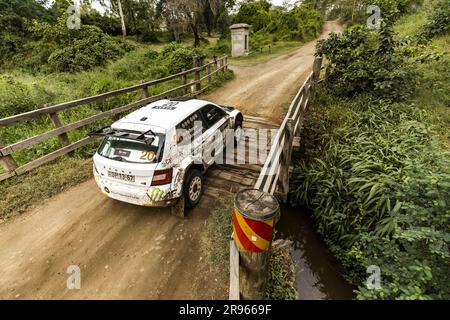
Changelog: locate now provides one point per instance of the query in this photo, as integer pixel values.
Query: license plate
(121, 176)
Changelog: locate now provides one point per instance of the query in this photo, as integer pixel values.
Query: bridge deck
(224, 180)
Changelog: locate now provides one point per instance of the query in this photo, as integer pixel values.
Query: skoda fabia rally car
(156, 155)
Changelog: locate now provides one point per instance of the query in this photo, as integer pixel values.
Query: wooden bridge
(224, 180)
(274, 175)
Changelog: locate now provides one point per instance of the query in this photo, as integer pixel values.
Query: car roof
(160, 115)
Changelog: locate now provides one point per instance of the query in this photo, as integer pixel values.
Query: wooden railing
(274, 176)
(193, 88)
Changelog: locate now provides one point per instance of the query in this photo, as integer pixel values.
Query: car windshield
(128, 150)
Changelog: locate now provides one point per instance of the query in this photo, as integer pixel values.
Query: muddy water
(318, 273)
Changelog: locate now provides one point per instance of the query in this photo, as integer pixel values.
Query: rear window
(128, 150)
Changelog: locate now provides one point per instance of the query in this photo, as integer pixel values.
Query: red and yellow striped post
(254, 216)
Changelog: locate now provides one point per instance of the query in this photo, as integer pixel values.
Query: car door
(193, 143)
(216, 120)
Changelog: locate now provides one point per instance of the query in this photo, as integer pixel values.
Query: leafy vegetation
(282, 272)
(361, 60)
(272, 24)
(355, 11)
(438, 22)
(376, 166)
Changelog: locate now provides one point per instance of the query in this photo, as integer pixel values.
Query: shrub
(178, 57)
(136, 65)
(364, 61)
(92, 48)
(16, 97)
(377, 182)
(439, 22)
(222, 46)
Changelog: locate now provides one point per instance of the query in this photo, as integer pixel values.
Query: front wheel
(193, 188)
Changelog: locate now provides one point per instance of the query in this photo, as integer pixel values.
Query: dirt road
(263, 90)
(131, 252)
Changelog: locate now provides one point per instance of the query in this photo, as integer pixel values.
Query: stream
(318, 272)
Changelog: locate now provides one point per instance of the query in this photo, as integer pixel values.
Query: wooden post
(57, 122)
(208, 69)
(215, 66)
(198, 86)
(184, 81)
(316, 75)
(8, 161)
(316, 68)
(223, 65)
(256, 212)
(234, 271)
(145, 91)
(285, 160)
(226, 62)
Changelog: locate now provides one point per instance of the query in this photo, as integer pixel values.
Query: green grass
(410, 25)
(218, 233)
(433, 90)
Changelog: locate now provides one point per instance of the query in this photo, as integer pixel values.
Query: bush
(439, 22)
(364, 61)
(138, 65)
(378, 184)
(178, 57)
(16, 97)
(222, 46)
(91, 49)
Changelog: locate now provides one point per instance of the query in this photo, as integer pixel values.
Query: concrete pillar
(240, 39)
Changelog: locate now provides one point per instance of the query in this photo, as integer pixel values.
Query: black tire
(193, 176)
(237, 126)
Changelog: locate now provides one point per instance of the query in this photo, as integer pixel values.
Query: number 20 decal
(147, 155)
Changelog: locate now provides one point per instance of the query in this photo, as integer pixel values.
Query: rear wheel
(193, 188)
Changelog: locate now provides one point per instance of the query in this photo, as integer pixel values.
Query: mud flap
(178, 209)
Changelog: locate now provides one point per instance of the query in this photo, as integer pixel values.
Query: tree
(122, 19)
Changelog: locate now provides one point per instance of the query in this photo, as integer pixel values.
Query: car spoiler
(132, 135)
(229, 108)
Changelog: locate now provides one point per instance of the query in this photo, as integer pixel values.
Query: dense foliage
(439, 22)
(376, 171)
(299, 23)
(355, 11)
(361, 60)
(178, 57)
(378, 187)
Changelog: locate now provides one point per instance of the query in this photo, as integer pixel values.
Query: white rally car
(153, 157)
